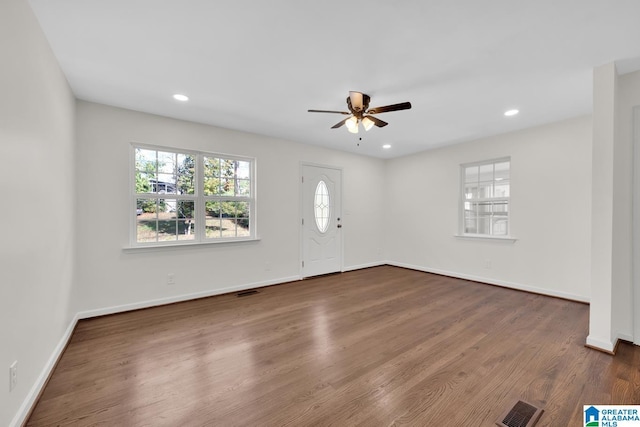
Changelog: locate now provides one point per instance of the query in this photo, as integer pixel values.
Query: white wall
(37, 209)
(627, 98)
(550, 211)
(612, 308)
(604, 129)
(110, 277)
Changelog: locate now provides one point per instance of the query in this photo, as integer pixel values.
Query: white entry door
(321, 220)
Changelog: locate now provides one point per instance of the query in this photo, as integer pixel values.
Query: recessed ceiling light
(386, 146)
(511, 113)
(180, 97)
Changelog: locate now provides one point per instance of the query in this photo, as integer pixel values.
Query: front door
(321, 220)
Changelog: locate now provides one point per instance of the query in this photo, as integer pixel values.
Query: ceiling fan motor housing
(358, 104)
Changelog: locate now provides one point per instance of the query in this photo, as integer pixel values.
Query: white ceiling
(258, 66)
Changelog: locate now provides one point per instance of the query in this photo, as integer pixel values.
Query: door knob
(339, 225)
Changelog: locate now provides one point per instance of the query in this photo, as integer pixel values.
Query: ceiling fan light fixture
(352, 124)
(359, 112)
(357, 100)
(367, 123)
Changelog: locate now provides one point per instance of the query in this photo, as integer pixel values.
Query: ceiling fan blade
(328, 111)
(376, 121)
(388, 108)
(339, 124)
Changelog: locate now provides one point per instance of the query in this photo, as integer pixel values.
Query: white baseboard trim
(361, 266)
(180, 298)
(600, 344)
(28, 403)
(607, 346)
(504, 284)
(625, 336)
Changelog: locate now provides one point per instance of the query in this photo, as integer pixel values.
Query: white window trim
(189, 244)
(200, 199)
(461, 225)
(470, 236)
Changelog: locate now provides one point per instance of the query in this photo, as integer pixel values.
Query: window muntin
(485, 198)
(227, 190)
(184, 197)
(227, 219)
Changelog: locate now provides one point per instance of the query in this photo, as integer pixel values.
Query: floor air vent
(522, 414)
(246, 293)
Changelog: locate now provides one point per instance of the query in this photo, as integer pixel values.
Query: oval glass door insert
(322, 207)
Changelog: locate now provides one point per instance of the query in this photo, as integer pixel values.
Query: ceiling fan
(358, 104)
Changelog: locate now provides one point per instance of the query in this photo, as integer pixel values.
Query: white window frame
(198, 198)
(463, 200)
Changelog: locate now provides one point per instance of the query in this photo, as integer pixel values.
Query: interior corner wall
(112, 279)
(37, 180)
(612, 307)
(549, 211)
(605, 89)
(628, 97)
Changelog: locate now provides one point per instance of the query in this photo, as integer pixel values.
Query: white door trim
(636, 226)
(301, 214)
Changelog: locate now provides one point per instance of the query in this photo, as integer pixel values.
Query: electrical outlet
(267, 266)
(13, 375)
(171, 279)
(487, 264)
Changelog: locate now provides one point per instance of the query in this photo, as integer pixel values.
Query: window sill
(191, 245)
(508, 239)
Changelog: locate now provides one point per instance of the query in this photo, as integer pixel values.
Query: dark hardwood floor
(375, 347)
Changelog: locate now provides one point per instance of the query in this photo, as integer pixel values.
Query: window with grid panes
(191, 197)
(485, 198)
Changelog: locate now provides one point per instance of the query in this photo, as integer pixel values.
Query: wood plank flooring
(375, 347)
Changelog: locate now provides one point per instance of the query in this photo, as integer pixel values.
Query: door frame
(301, 210)
(635, 265)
